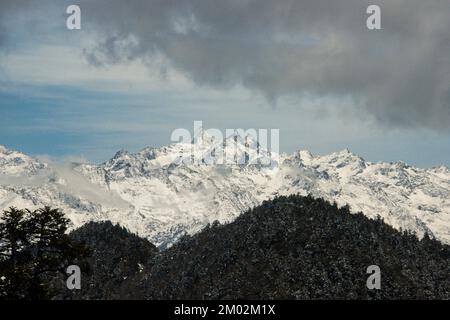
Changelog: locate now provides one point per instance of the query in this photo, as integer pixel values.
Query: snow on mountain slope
(156, 193)
(14, 163)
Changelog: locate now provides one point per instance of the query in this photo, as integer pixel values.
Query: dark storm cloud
(400, 74)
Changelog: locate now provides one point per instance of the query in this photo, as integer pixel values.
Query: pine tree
(15, 236)
(34, 249)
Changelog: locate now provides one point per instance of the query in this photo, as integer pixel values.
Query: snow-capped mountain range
(157, 194)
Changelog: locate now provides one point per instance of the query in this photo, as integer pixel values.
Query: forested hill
(289, 248)
(116, 254)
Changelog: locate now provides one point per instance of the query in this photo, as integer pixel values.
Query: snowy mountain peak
(305, 156)
(345, 151)
(120, 154)
(201, 136)
(346, 154)
(153, 195)
(16, 163)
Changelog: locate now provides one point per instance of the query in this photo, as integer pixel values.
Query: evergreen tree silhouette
(14, 238)
(34, 248)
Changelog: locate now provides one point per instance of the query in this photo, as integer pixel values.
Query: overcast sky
(137, 70)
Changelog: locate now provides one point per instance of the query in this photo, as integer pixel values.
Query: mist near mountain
(155, 196)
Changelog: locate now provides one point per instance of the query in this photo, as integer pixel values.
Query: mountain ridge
(156, 197)
(291, 247)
